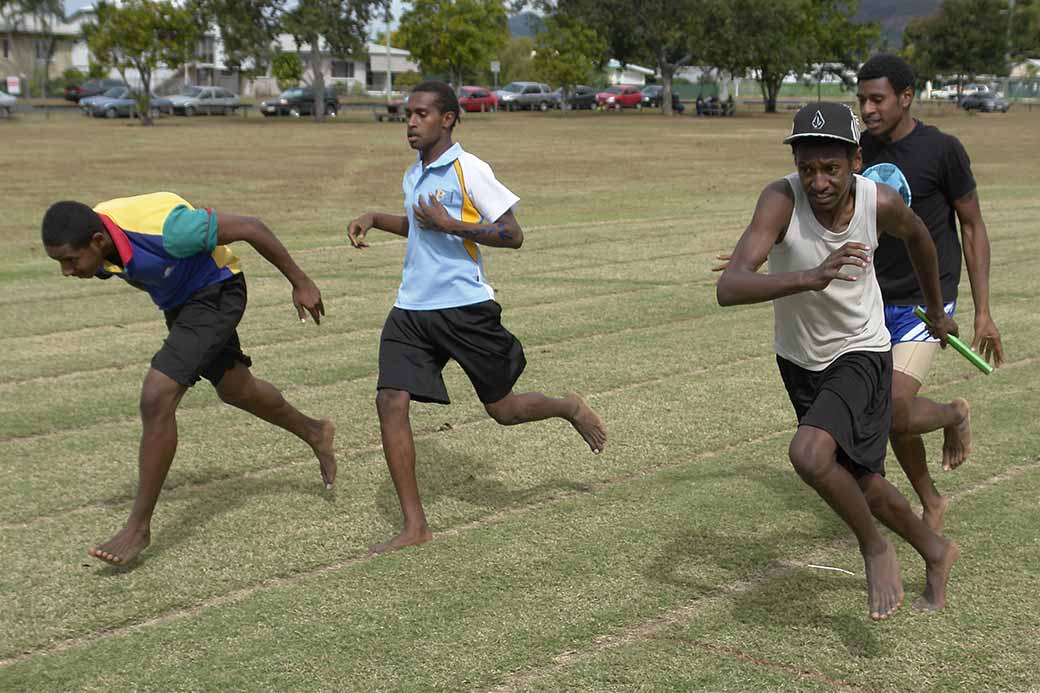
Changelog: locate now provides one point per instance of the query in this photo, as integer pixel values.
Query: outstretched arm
(358, 228)
(975, 239)
(898, 220)
(306, 297)
(740, 282)
(504, 232)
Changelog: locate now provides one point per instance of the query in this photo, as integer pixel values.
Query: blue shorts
(904, 326)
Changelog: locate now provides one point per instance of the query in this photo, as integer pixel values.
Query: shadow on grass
(444, 474)
(206, 507)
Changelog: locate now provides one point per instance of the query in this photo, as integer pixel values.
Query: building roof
(616, 65)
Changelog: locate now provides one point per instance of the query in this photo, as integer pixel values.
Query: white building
(369, 75)
(627, 74)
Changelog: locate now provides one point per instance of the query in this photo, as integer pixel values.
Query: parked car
(582, 96)
(620, 96)
(92, 87)
(988, 102)
(519, 95)
(652, 98)
(299, 101)
(120, 102)
(86, 104)
(477, 99)
(7, 104)
(211, 100)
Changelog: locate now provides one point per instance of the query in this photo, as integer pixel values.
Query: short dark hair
(898, 72)
(447, 100)
(70, 223)
(850, 149)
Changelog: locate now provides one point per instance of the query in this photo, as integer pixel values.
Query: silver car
(519, 95)
(194, 100)
(7, 103)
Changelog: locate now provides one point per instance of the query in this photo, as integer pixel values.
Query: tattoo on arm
(498, 228)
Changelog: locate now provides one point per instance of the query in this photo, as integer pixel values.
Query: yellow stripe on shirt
(469, 212)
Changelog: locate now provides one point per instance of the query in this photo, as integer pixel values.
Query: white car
(209, 100)
(7, 103)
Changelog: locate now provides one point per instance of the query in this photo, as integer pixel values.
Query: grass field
(675, 561)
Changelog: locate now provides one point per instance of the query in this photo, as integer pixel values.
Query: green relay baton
(960, 346)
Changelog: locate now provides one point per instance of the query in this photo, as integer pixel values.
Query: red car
(477, 99)
(620, 97)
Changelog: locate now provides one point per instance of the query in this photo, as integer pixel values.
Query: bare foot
(325, 450)
(884, 587)
(405, 538)
(937, 574)
(933, 516)
(123, 547)
(957, 438)
(588, 423)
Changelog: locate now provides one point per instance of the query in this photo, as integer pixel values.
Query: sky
(397, 8)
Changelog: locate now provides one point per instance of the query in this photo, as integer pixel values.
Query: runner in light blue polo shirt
(445, 307)
(442, 270)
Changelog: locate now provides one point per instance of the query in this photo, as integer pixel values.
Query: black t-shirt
(933, 170)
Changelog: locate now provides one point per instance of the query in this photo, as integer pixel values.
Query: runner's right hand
(357, 230)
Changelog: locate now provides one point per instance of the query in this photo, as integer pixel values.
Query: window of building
(343, 69)
(7, 48)
(42, 50)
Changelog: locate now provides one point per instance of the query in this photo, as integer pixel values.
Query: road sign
(496, 66)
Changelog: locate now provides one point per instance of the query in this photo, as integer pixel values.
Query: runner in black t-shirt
(932, 172)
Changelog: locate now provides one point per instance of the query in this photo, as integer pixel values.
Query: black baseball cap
(825, 119)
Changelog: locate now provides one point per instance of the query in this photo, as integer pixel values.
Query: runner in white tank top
(818, 228)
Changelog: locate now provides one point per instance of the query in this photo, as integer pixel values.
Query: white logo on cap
(818, 121)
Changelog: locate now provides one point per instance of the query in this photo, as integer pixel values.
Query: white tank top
(813, 328)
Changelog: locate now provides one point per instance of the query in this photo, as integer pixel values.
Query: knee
(503, 413)
(809, 458)
(156, 403)
(392, 403)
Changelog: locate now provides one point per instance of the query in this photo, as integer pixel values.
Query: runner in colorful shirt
(160, 244)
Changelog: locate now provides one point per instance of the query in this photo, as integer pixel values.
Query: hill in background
(894, 15)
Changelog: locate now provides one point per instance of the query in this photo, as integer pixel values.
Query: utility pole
(1007, 48)
(388, 72)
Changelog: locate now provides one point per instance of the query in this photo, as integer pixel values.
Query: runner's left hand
(987, 340)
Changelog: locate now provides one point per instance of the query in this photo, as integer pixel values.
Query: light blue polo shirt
(442, 270)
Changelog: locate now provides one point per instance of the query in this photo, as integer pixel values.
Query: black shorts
(203, 342)
(851, 399)
(416, 344)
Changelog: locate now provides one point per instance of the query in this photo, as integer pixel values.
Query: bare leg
(813, 453)
(938, 552)
(399, 450)
(160, 396)
(260, 398)
(533, 406)
(913, 416)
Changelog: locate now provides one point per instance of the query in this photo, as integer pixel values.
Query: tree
(247, 28)
(141, 35)
(1025, 30)
(774, 38)
(287, 69)
(963, 38)
(454, 37)
(338, 25)
(516, 61)
(566, 53)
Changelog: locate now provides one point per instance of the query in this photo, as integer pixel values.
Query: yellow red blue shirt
(166, 247)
